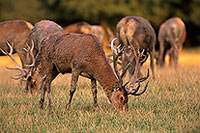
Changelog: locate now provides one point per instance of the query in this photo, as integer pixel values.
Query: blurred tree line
(106, 12)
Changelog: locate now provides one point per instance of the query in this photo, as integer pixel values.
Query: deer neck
(107, 79)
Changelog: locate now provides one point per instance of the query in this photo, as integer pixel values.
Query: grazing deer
(137, 35)
(16, 32)
(79, 54)
(171, 36)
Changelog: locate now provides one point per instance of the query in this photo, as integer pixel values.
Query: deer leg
(94, 93)
(26, 88)
(171, 58)
(74, 80)
(48, 86)
(43, 91)
(161, 54)
(175, 55)
(152, 62)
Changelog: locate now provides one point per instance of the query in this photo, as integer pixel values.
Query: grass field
(170, 104)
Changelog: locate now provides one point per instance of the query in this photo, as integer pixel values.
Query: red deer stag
(16, 32)
(79, 54)
(171, 36)
(138, 37)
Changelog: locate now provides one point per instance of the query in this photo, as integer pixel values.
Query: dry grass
(171, 103)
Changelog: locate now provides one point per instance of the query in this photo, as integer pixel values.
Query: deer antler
(135, 80)
(18, 67)
(30, 51)
(116, 53)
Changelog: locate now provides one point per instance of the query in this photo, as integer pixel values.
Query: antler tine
(136, 90)
(116, 54)
(126, 68)
(113, 48)
(30, 51)
(16, 78)
(144, 78)
(18, 67)
(139, 81)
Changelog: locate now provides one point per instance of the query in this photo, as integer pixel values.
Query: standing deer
(171, 36)
(16, 32)
(138, 37)
(79, 54)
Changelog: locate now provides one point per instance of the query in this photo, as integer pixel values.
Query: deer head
(28, 73)
(137, 60)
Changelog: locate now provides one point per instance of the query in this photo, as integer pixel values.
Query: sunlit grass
(170, 104)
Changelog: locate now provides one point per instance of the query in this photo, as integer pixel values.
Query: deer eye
(121, 98)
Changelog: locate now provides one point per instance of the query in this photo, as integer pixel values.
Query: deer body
(79, 55)
(136, 34)
(171, 36)
(16, 32)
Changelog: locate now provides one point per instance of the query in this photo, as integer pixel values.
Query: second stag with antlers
(138, 37)
(79, 54)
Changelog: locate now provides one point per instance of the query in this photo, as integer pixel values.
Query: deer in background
(79, 54)
(41, 30)
(16, 32)
(85, 28)
(79, 27)
(138, 37)
(171, 36)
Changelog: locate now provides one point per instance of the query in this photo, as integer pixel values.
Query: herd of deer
(46, 49)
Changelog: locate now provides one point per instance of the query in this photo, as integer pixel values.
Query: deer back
(172, 30)
(136, 31)
(16, 32)
(41, 30)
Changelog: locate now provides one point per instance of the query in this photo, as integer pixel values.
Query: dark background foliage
(106, 12)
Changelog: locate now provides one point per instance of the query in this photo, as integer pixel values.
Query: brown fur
(79, 54)
(79, 27)
(17, 32)
(99, 32)
(85, 28)
(171, 36)
(41, 30)
(136, 34)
